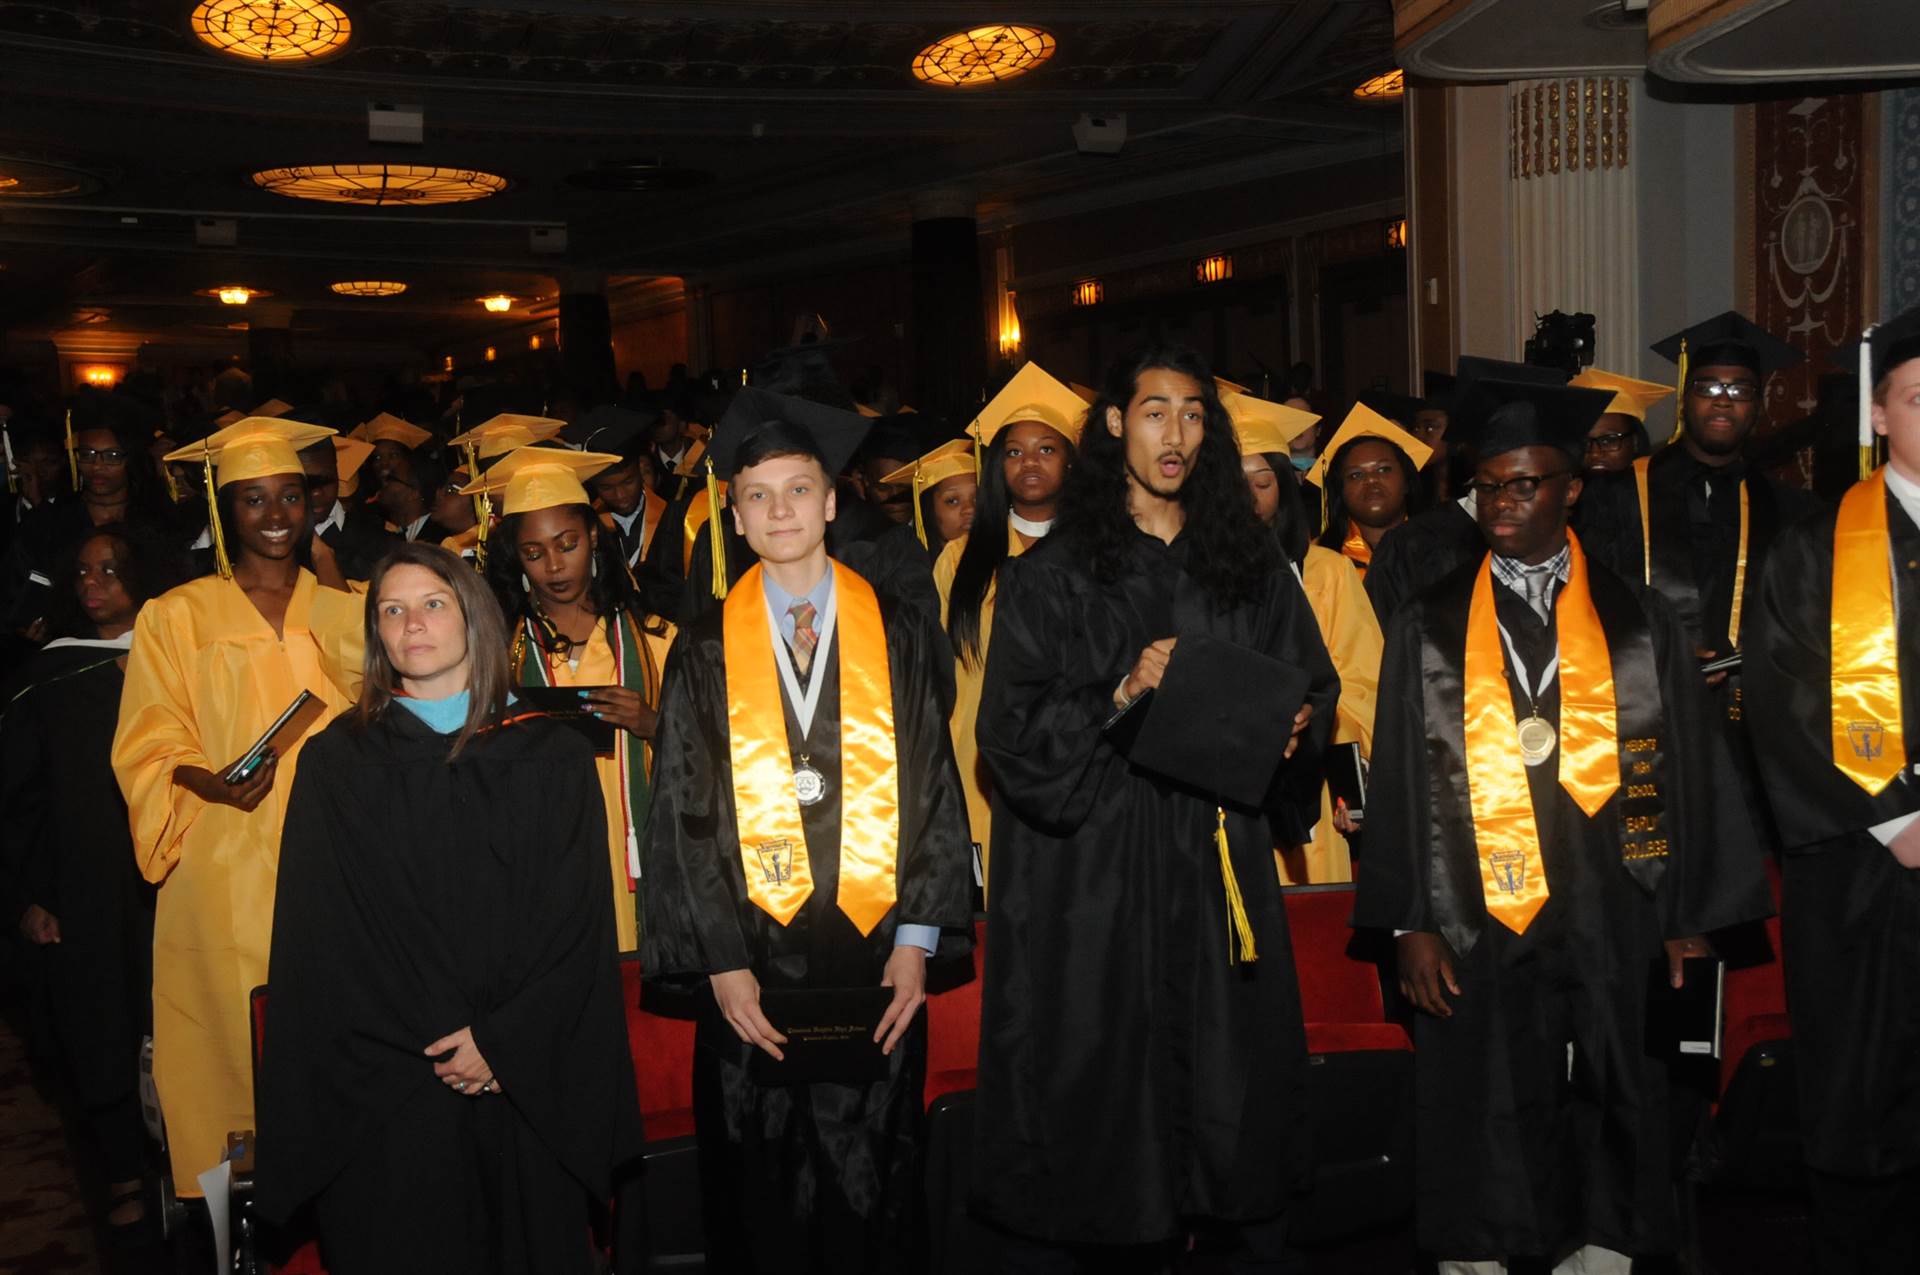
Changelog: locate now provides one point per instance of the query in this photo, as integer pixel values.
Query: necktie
(804, 638)
(1538, 583)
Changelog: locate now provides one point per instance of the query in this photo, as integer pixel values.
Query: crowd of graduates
(424, 723)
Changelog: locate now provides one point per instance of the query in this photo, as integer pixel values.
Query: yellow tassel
(919, 518)
(221, 562)
(1238, 927)
(73, 454)
(718, 541)
(173, 485)
(1680, 404)
(482, 508)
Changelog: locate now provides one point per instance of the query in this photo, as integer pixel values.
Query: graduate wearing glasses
(1547, 828)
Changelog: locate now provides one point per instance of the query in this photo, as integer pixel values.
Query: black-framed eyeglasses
(100, 456)
(1732, 391)
(1608, 442)
(1522, 489)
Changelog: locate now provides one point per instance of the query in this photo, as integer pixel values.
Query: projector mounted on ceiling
(1100, 134)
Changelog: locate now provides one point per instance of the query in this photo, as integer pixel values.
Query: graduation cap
(949, 460)
(387, 428)
(501, 434)
(1032, 395)
(272, 407)
(836, 432)
(1499, 415)
(1631, 397)
(227, 418)
(1731, 338)
(1365, 422)
(1881, 348)
(1438, 388)
(531, 477)
(1261, 426)
(609, 428)
(889, 438)
(1398, 408)
(349, 454)
(252, 447)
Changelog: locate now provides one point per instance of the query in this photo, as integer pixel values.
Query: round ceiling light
(234, 293)
(982, 55)
(498, 304)
(33, 179)
(1388, 86)
(380, 185)
(272, 30)
(369, 287)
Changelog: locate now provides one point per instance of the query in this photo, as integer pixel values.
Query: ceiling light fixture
(369, 287)
(1388, 86)
(234, 293)
(1397, 233)
(272, 30)
(497, 304)
(1214, 269)
(1089, 292)
(379, 185)
(983, 55)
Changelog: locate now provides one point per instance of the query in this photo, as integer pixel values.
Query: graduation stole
(1355, 547)
(633, 669)
(766, 809)
(1869, 743)
(1511, 876)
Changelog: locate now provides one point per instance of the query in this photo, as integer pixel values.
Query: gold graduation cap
(1262, 426)
(1364, 422)
(1631, 397)
(387, 428)
(252, 447)
(868, 412)
(1031, 395)
(949, 460)
(501, 434)
(1224, 387)
(272, 407)
(227, 418)
(1086, 392)
(349, 453)
(531, 478)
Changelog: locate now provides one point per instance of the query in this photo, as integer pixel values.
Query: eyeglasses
(1732, 391)
(96, 456)
(1608, 442)
(1522, 489)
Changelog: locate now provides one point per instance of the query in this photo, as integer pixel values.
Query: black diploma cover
(829, 1033)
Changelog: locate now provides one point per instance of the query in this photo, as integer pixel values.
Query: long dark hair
(609, 588)
(1232, 555)
(487, 674)
(223, 502)
(1289, 528)
(988, 545)
(1334, 533)
(148, 568)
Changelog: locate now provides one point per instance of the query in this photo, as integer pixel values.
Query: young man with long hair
(1141, 1049)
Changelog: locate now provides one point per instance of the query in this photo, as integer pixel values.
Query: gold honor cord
(1739, 562)
(1869, 742)
(1512, 878)
(766, 809)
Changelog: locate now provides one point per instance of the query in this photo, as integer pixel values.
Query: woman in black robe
(68, 881)
(445, 1070)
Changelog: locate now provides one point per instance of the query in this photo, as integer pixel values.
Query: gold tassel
(221, 562)
(73, 454)
(482, 508)
(1680, 403)
(173, 484)
(714, 537)
(1238, 927)
(919, 518)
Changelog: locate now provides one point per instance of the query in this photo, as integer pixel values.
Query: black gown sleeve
(935, 874)
(26, 867)
(1391, 887)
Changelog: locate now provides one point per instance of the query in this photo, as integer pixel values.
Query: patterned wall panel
(1900, 225)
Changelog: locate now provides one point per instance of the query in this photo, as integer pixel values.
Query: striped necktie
(804, 638)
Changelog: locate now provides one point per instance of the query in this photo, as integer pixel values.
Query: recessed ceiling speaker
(549, 239)
(1100, 134)
(396, 125)
(216, 232)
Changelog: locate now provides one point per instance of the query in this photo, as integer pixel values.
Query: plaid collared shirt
(1512, 572)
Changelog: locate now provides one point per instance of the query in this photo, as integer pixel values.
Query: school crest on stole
(1510, 870)
(1869, 739)
(776, 860)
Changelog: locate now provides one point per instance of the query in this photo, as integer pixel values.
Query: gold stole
(1869, 744)
(773, 840)
(1355, 547)
(1508, 840)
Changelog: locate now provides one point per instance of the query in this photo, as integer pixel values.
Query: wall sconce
(533, 342)
(101, 376)
(1213, 269)
(1089, 292)
(492, 354)
(1396, 233)
(1009, 328)
(447, 363)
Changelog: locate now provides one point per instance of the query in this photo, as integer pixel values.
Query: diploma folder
(829, 1033)
(567, 705)
(280, 737)
(1218, 723)
(1686, 1022)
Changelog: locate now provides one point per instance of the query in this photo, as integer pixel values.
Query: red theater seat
(662, 1050)
(1755, 998)
(953, 1029)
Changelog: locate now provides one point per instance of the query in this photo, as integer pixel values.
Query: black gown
(1420, 551)
(360, 541)
(1519, 1157)
(65, 845)
(1130, 1074)
(1850, 913)
(417, 897)
(822, 1176)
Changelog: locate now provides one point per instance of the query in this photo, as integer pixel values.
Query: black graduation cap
(1497, 415)
(837, 433)
(1218, 722)
(1438, 387)
(1398, 408)
(1893, 343)
(1730, 338)
(892, 437)
(609, 428)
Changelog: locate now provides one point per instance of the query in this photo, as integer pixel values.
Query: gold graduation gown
(1352, 634)
(205, 679)
(597, 668)
(967, 678)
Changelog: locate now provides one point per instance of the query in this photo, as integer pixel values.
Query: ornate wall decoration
(1568, 124)
(1900, 228)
